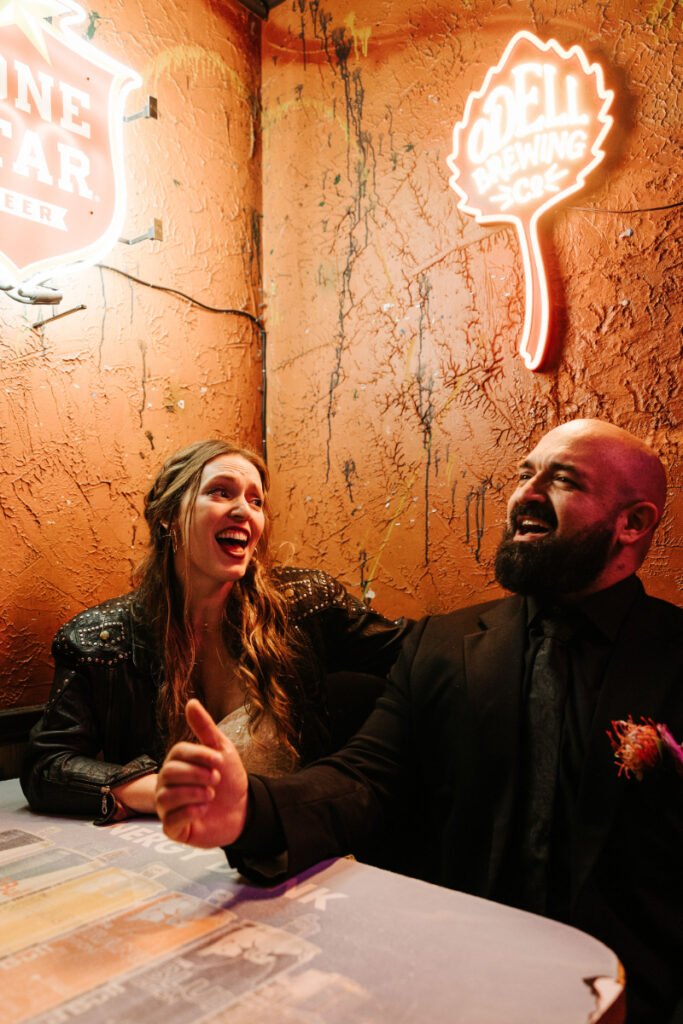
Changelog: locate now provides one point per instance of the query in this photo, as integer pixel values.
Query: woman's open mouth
(233, 540)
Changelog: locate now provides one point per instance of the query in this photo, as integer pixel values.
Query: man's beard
(552, 565)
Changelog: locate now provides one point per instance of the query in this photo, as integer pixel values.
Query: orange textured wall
(91, 404)
(398, 405)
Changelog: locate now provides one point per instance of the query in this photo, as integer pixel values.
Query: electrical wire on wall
(214, 309)
(44, 295)
(644, 209)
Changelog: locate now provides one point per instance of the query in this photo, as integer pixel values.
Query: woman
(210, 618)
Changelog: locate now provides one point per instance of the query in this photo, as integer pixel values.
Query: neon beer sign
(62, 196)
(527, 140)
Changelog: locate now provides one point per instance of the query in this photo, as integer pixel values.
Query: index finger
(203, 725)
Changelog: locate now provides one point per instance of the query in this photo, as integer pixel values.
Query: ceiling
(260, 7)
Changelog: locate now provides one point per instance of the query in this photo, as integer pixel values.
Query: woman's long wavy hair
(255, 621)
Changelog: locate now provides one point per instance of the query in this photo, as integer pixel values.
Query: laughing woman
(264, 649)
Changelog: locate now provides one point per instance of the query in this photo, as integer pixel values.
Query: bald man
(489, 757)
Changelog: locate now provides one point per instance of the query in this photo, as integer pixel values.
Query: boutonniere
(639, 748)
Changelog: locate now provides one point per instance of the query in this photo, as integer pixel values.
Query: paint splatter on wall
(91, 404)
(398, 405)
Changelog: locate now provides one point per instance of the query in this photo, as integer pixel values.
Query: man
(490, 745)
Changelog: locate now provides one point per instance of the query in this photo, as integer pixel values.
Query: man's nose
(532, 489)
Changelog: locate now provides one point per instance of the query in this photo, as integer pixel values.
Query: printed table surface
(119, 924)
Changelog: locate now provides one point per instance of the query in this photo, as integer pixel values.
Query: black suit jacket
(439, 759)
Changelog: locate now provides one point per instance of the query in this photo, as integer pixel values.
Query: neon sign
(527, 140)
(62, 195)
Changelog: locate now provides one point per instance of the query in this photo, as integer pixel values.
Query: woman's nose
(240, 507)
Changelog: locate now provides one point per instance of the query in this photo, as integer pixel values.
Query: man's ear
(636, 521)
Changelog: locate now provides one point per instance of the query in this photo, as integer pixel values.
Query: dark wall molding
(260, 7)
(16, 723)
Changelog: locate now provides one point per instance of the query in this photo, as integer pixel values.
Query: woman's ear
(637, 521)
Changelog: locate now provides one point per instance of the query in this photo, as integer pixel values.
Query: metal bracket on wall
(150, 109)
(155, 232)
(37, 295)
(57, 316)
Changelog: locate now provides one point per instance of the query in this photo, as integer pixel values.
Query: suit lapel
(493, 669)
(636, 683)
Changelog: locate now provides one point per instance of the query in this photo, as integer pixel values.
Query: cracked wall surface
(92, 404)
(398, 405)
(397, 402)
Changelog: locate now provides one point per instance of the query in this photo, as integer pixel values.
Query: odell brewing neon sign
(62, 196)
(528, 139)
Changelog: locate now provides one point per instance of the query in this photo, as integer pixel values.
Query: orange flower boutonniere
(639, 748)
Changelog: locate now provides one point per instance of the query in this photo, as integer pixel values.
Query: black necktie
(546, 696)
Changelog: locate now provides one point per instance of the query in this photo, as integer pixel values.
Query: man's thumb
(202, 724)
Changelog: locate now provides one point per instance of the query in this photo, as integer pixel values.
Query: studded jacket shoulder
(99, 728)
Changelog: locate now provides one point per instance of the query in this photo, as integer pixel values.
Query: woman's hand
(136, 797)
(201, 793)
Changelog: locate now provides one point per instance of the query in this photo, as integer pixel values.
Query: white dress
(267, 757)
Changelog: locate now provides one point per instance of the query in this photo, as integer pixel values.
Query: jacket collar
(636, 683)
(494, 658)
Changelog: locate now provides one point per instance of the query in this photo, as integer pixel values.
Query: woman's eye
(257, 502)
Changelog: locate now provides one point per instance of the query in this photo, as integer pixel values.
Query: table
(119, 924)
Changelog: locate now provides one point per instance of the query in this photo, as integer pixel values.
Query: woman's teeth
(233, 539)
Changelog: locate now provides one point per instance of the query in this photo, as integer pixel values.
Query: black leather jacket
(98, 729)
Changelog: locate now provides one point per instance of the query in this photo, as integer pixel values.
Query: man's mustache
(533, 509)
